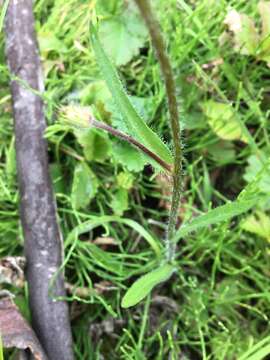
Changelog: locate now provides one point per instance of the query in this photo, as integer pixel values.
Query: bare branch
(50, 318)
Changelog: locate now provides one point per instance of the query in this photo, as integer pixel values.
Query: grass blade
(255, 353)
(92, 224)
(135, 124)
(3, 14)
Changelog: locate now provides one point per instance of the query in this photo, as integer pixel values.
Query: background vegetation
(216, 306)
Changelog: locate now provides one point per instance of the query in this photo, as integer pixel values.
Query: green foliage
(96, 144)
(212, 217)
(49, 42)
(144, 285)
(255, 165)
(119, 202)
(122, 35)
(3, 13)
(222, 120)
(129, 157)
(135, 124)
(84, 186)
(258, 224)
(246, 38)
(258, 351)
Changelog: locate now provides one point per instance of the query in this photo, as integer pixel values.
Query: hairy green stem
(166, 69)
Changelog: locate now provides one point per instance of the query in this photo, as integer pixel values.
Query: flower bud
(76, 115)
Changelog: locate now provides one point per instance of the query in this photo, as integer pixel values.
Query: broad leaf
(49, 42)
(122, 36)
(144, 285)
(245, 34)
(84, 187)
(222, 152)
(96, 144)
(135, 124)
(129, 157)
(223, 121)
(258, 224)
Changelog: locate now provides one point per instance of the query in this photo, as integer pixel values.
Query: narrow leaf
(135, 124)
(3, 13)
(142, 287)
(102, 220)
(219, 214)
(258, 350)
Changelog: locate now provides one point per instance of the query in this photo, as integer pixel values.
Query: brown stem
(42, 236)
(131, 140)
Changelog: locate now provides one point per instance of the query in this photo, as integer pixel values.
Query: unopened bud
(76, 115)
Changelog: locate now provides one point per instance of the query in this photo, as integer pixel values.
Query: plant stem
(131, 140)
(166, 69)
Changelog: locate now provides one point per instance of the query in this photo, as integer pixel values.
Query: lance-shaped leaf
(133, 122)
(214, 216)
(142, 287)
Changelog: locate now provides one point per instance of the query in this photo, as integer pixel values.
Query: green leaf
(3, 13)
(123, 35)
(119, 202)
(84, 187)
(49, 42)
(135, 124)
(223, 121)
(11, 168)
(95, 92)
(57, 178)
(105, 7)
(125, 180)
(96, 144)
(264, 10)
(222, 152)
(255, 165)
(144, 106)
(144, 285)
(219, 214)
(245, 35)
(126, 155)
(258, 224)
